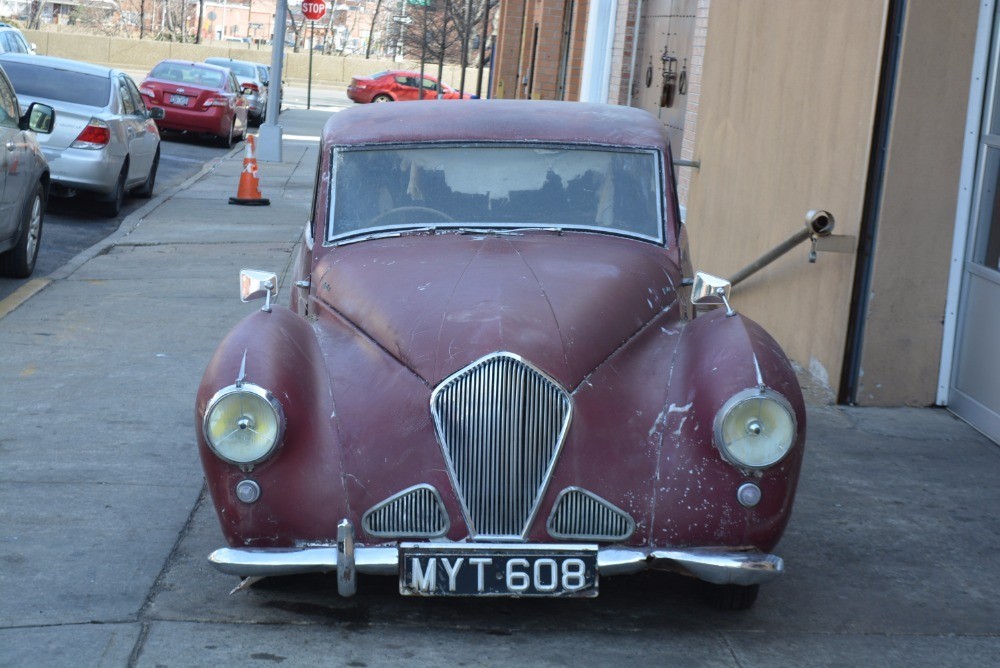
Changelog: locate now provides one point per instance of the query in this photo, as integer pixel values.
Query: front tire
(730, 596)
(19, 261)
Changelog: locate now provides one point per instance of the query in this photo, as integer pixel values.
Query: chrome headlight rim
(744, 396)
(259, 392)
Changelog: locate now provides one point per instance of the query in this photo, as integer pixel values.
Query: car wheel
(730, 596)
(381, 97)
(19, 261)
(226, 140)
(145, 191)
(112, 206)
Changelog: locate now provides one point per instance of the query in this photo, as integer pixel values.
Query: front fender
(302, 490)
(720, 356)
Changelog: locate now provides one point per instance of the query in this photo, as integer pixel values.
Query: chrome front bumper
(715, 565)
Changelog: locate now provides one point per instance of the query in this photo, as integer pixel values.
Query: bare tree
(449, 29)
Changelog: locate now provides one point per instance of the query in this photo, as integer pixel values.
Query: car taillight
(216, 102)
(251, 86)
(148, 92)
(95, 135)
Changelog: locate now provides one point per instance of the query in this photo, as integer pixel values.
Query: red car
(490, 380)
(397, 86)
(197, 97)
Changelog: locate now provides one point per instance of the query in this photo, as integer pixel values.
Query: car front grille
(417, 512)
(501, 423)
(582, 515)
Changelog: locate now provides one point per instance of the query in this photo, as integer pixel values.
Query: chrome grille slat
(582, 515)
(501, 423)
(417, 512)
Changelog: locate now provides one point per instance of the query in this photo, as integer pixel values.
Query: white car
(105, 141)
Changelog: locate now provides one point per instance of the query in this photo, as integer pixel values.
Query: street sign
(313, 10)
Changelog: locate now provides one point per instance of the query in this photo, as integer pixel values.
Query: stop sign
(313, 10)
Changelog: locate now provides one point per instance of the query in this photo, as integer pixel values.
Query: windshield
(606, 189)
(191, 75)
(245, 70)
(48, 83)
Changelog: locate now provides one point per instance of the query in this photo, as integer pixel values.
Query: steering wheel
(402, 210)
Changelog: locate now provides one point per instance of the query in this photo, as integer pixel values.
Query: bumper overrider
(723, 566)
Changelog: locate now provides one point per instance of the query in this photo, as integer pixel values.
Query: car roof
(214, 60)
(496, 121)
(191, 63)
(59, 63)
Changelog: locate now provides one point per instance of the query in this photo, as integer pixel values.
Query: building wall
(529, 57)
(784, 126)
(903, 323)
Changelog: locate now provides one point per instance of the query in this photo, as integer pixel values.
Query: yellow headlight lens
(755, 429)
(243, 425)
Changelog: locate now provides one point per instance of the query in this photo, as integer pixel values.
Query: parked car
(197, 97)
(106, 142)
(397, 86)
(12, 40)
(488, 381)
(248, 75)
(24, 181)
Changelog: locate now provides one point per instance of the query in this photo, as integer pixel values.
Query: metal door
(975, 391)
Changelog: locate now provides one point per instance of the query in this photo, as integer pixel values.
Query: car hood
(439, 302)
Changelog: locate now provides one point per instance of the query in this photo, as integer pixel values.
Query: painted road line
(21, 295)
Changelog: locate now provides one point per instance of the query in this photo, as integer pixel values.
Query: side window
(133, 91)
(125, 97)
(430, 84)
(9, 111)
(21, 45)
(5, 42)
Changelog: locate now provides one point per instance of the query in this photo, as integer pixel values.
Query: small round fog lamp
(247, 491)
(748, 494)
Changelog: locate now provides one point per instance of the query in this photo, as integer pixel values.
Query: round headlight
(755, 428)
(243, 425)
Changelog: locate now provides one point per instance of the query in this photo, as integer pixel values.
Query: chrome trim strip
(715, 565)
(537, 418)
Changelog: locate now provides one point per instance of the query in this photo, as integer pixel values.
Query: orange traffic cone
(249, 189)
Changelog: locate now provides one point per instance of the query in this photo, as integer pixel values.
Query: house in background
(882, 112)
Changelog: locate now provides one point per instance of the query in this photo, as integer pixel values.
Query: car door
(405, 88)
(15, 168)
(430, 89)
(141, 141)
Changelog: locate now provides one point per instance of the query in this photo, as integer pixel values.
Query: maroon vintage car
(488, 382)
(400, 86)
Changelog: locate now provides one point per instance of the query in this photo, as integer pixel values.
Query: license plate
(179, 99)
(497, 570)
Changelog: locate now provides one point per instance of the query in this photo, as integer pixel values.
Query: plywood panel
(785, 123)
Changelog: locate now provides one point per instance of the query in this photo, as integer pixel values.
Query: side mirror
(156, 113)
(709, 290)
(39, 118)
(258, 284)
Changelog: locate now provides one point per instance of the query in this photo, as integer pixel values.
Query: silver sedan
(104, 141)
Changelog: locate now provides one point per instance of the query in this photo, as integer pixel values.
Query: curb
(34, 286)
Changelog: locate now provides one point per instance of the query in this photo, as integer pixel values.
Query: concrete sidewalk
(104, 528)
